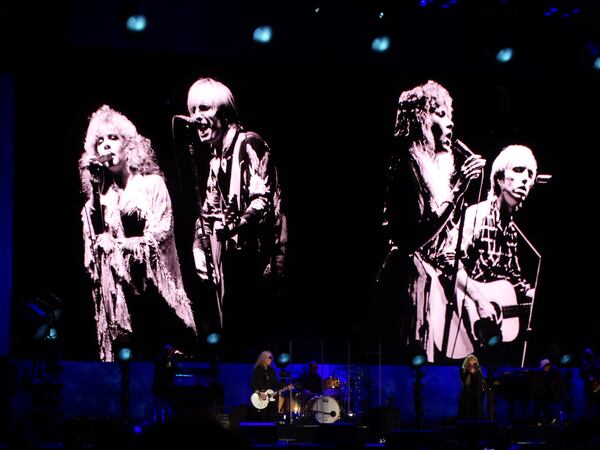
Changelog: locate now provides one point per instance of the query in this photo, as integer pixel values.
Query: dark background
(326, 106)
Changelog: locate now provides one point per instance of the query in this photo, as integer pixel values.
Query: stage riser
(270, 433)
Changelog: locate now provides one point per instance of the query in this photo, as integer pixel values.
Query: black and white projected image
(130, 252)
(241, 228)
(423, 201)
(320, 157)
(493, 299)
(449, 307)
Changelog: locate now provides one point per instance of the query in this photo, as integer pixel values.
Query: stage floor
(465, 435)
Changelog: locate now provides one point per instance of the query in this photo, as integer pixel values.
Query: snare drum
(324, 408)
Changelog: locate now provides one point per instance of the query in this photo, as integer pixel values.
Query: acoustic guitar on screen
(508, 310)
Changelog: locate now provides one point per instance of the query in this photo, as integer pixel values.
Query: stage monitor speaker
(381, 421)
(478, 432)
(307, 432)
(190, 402)
(342, 434)
(95, 432)
(536, 435)
(239, 414)
(414, 439)
(259, 432)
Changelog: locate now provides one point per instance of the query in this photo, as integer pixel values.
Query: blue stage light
(494, 340)
(52, 334)
(504, 55)
(124, 354)
(137, 23)
(213, 338)
(263, 34)
(380, 44)
(418, 360)
(283, 359)
(565, 359)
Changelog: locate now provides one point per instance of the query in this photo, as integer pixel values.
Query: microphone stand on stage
(349, 413)
(291, 418)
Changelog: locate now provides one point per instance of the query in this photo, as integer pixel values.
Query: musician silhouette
(546, 393)
(165, 368)
(310, 381)
(473, 385)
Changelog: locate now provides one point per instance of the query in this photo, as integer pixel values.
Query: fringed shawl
(109, 257)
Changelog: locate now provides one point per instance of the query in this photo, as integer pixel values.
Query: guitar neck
(287, 388)
(515, 310)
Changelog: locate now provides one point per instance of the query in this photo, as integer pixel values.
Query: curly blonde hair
(415, 107)
(139, 155)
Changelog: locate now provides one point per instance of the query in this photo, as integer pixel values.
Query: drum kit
(325, 408)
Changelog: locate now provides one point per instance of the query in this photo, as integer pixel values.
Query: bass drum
(324, 408)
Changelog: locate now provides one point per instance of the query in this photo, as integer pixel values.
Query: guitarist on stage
(264, 378)
(489, 243)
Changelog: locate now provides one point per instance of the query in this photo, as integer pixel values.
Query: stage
(90, 405)
(94, 432)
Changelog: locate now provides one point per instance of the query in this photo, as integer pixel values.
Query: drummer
(310, 381)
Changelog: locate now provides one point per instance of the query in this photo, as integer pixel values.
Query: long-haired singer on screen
(130, 251)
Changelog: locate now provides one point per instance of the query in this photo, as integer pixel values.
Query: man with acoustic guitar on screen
(489, 287)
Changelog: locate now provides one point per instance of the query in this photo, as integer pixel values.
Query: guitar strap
(235, 181)
(226, 167)
(228, 177)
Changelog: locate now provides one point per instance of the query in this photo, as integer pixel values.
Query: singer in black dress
(470, 402)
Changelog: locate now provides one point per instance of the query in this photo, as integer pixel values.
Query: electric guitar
(259, 403)
(503, 299)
